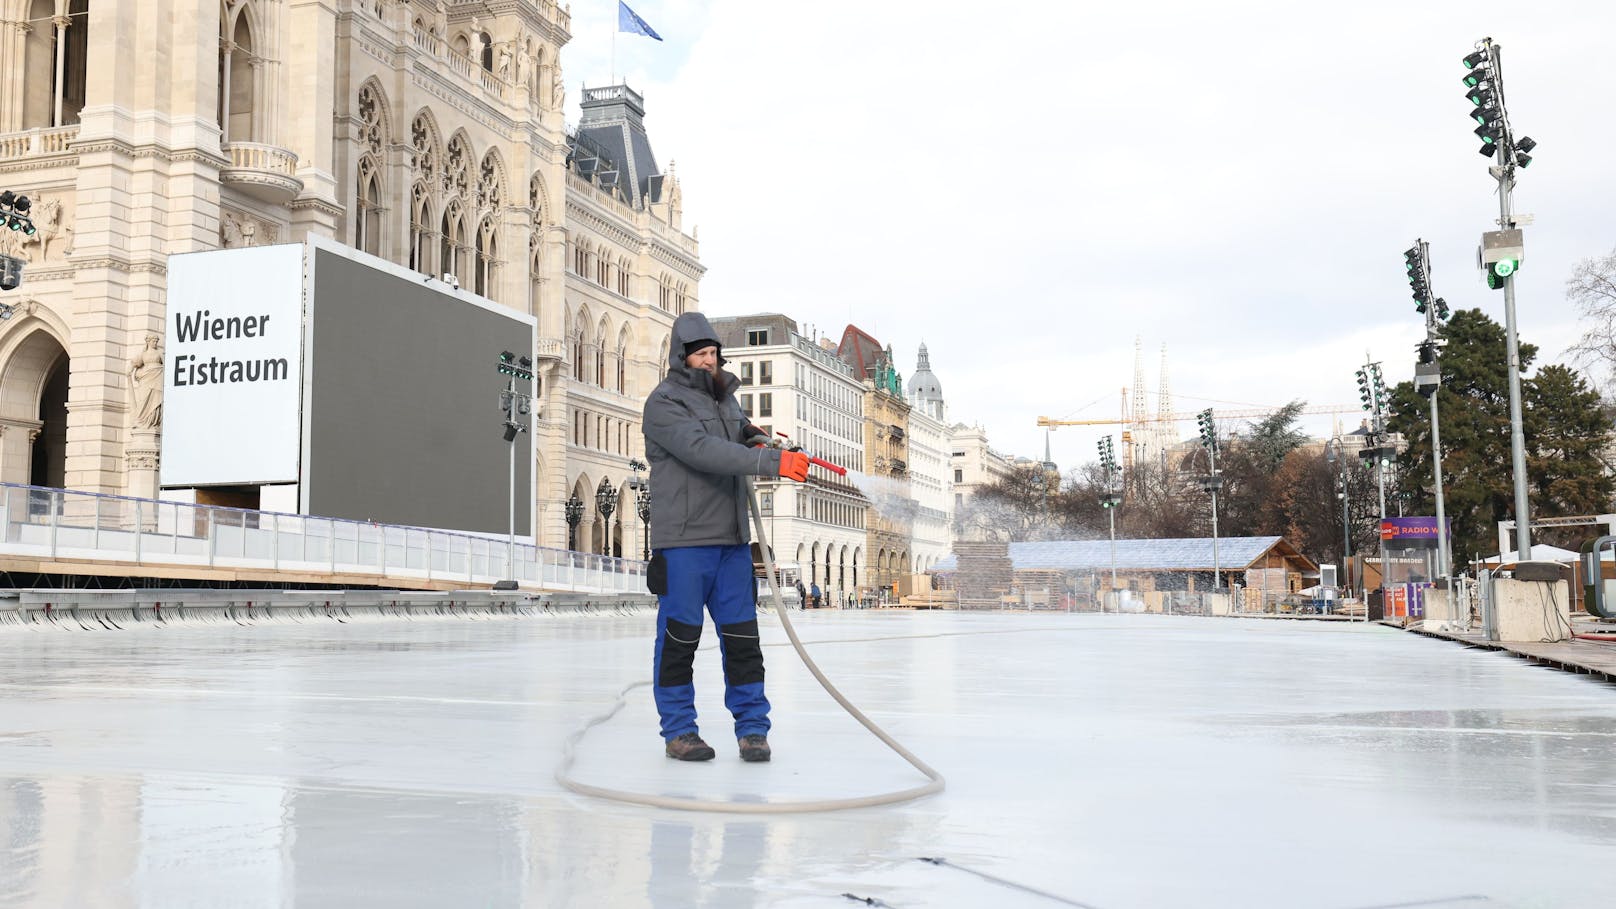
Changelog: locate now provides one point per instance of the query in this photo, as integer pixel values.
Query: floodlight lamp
(6, 198)
(21, 205)
(1476, 59)
(1526, 144)
(1522, 159)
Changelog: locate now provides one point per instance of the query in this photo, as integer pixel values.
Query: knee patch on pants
(679, 643)
(743, 653)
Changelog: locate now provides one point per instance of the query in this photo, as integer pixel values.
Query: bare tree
(1592, 289)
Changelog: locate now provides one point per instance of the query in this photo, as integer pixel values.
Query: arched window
(622, 361)
(602, 338)
(535, 245)
(421, 229)
(47, 100)
(452, 251)
(238, 74)
(368, 221)
(487, 55)
(603, 270)
(487, 257)
(622, 277)
(372, 141)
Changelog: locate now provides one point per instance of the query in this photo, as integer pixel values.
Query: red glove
(794, 466)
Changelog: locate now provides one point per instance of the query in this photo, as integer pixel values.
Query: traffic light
(1441, 309)
(1363, 389)
(1209, 429)
(1377, 385)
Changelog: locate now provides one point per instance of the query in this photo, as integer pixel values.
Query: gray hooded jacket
(698, 447)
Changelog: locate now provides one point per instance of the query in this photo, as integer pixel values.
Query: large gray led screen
(402, 404)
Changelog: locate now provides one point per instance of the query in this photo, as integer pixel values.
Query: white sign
(233, 367)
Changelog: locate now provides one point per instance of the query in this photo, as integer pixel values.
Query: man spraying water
(700, 448)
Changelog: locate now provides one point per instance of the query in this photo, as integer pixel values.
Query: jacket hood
(692, 326)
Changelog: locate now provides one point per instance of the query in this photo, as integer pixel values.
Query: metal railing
(66, 525)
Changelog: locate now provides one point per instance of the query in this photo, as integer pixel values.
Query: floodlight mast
(1487, 75)
(1427, 381)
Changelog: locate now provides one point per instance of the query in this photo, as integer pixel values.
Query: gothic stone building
(428, 133)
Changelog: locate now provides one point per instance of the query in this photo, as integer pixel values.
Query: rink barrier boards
(112, 610)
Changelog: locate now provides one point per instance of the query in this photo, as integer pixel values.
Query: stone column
(311, 59)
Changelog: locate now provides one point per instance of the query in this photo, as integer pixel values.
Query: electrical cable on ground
(934, 784)
(1003, 882)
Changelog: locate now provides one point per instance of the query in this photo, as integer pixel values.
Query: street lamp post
(1428, 379)
(1336, 453)
(606, 503)
(513, 404)
(1209, 439)
(1110, 501)
(642, 506)
(574, 511)
(1504, 249)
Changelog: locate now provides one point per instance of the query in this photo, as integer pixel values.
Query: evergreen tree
(1566, 434)
(1250, 503)
(1564, 430)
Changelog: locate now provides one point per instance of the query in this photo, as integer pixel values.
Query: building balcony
(40, 142)
(549, 349)
(264, 172)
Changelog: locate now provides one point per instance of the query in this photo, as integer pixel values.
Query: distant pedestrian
(802, 595)
(813, 595)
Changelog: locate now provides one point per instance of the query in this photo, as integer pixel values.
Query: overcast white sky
(1026, 187)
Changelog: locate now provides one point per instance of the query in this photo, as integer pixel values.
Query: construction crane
(1174, 417)
(1127, 419)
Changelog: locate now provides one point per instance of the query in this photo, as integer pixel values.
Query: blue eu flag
(630, 21)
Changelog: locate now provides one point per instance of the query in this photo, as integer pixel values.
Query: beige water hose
(934, 784)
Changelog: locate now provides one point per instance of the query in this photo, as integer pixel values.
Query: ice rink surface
(1106, 761)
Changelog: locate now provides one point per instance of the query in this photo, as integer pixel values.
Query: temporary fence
(64, 525)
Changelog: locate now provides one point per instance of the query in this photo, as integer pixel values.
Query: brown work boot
(754, 749)
(689, 747)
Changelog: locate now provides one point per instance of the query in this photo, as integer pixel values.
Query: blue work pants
(719, 579)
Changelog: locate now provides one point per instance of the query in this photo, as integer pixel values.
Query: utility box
(1528, 612)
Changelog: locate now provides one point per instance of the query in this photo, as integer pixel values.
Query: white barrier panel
(63, 524)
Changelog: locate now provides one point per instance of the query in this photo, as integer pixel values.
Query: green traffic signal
(1503, 268)
(1476, 59)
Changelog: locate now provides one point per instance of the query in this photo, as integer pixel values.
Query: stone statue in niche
(558, 87)
(146, 385)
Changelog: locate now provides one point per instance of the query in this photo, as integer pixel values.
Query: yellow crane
(1052, 423)
(1126, 419)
